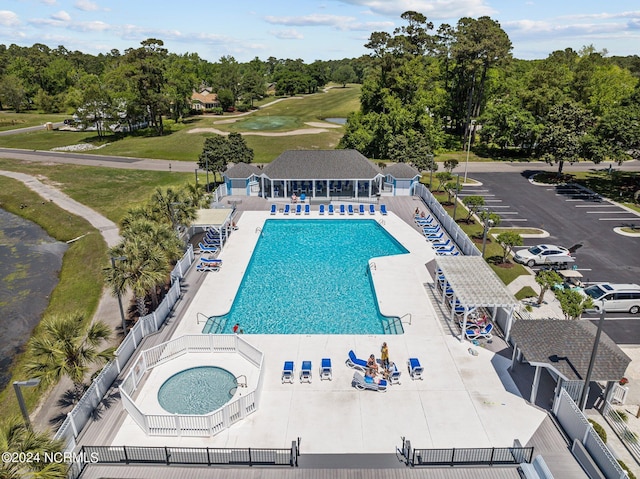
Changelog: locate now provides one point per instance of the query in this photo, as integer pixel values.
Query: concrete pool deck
(463, 400)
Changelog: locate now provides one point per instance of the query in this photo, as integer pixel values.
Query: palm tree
(173, 206)
(145, 267)
(16, 437)
(63, 348)
(155, 233)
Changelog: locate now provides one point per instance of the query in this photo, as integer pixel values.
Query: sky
(308, 29)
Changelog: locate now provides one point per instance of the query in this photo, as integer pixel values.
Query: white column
(534, 386)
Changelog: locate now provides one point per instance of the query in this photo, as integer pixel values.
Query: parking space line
(594, 206)
(617, 212)
(516, 219)
(619, 219)
(509, 213)
(491, 201)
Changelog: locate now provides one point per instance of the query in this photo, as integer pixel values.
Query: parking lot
(570, 216)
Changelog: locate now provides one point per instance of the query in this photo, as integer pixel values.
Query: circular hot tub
(199, 390)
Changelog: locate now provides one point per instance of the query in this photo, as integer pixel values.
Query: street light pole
(466, 165)
(124, 321)
(594, 352)
(23, 406)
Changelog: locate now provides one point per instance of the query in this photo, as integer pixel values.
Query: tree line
(431, 90)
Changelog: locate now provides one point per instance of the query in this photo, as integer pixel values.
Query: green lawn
(179, 145)
(11, 121)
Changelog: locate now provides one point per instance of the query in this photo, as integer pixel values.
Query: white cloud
(433, 9)
(61, 16)
(86, 5)
(338, 22)
(49, 2)
(8, 18)
(289, 34)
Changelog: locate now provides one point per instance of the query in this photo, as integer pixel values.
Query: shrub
(599, 430)
(626, 469)
(619, 416)
(217, 110)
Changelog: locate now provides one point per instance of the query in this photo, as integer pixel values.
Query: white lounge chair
(364, 382)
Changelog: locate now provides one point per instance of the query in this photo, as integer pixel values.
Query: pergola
(218, 219)
(475, 285)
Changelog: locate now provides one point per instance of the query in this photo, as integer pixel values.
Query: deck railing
(187, 424)
(80, 415)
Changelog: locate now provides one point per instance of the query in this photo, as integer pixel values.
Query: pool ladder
(239, 384)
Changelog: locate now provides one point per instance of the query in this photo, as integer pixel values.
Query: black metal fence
(490, 456)
(196, 456)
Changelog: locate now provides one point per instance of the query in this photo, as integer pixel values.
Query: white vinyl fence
(577, 427)
(80, 415)
(457, 235)
(190, 424)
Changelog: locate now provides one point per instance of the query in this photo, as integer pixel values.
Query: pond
(337, 121)
(267, 123)
(30, 261)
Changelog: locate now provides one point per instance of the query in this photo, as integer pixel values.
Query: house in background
(204, 100)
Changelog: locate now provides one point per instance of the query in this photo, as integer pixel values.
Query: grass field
(179, 145)
(11, 121)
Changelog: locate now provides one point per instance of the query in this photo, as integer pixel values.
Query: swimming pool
(311, 277)
(199, 390)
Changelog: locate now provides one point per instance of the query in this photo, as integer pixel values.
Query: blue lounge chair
(356, 363)
(425, 219)
(415, 369)
(440, 246)
(330, 209)
(273, 209)
(431, 229)
(394, 374)
(307, 209)
(321, 210)
(365, 382)
(361, 209)
(209, 264)
(287, 372)
(350, 209)
(305, 372)
(435, 236)
(383, 209)
(477, 333)
(325, 369)
(207, 248)
(447, 251)
(341, 209)
(372, 209)
(287, 208)
(298, 208)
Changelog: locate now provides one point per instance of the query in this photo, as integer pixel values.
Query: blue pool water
(310, 277)
(198, 390)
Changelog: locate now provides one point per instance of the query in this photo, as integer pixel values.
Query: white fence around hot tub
(187, 424)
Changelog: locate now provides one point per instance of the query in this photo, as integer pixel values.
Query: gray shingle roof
(401, 171)
(567, 346)
(321, 165)
(242, 170)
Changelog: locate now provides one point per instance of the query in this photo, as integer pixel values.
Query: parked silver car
(544, 254)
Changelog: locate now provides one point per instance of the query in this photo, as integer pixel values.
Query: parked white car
(544, 254)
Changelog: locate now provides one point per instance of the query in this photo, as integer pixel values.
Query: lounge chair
(273, 209)
(287, 209)
(447, 251)
(383, 210)
(361, 209)
(208, 265)
(364, 382)
(307, 209)
(440, 246)
(321, 210)
(394, 374)
(415, 369)
(431, 229)
(287, 372)
(342, 209)
(372, 209)
(298, 208)
(305, 372)
(325, 369)
(424, 219)
(435, 236)
(207, 248)
(330, 209)
(356, 363)
(350, 209)
(477, 333)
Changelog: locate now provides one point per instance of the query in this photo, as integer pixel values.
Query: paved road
(190, 166)
(28, 129)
